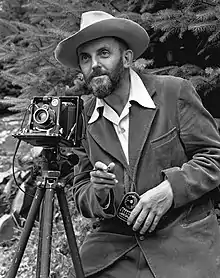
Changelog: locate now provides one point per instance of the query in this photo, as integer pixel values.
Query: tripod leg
(70, 232)
(39, 249)
(26, 232)
(47, 224)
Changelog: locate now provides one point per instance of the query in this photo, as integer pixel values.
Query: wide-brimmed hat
(97, 24)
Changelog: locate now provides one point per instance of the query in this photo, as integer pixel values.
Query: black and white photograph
(109, 139)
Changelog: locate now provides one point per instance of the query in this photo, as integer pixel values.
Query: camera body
(53, 121)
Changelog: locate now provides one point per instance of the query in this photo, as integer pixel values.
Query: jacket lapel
(141, 120)
(103, 132)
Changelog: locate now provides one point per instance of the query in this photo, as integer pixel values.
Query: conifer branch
(114, 6)
(208, 3)
(49, 62)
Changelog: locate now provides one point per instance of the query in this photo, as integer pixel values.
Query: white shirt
(138, 93)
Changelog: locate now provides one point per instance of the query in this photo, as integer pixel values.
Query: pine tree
(184, 41)
(27, 53)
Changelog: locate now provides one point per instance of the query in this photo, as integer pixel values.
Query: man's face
(101, 63)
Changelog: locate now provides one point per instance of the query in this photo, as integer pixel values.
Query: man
(149, 146)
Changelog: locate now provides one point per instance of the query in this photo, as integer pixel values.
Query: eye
(84, 58)
(105, 53)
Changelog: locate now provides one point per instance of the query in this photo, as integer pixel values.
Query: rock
(8, 126)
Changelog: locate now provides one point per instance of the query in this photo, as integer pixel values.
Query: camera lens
(44, 117)
(41, 116)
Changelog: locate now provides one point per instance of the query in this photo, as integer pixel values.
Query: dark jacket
(179, 140)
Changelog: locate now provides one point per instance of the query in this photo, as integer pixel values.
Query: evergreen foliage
(184, 35)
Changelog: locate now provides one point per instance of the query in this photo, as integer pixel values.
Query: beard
(101, 84)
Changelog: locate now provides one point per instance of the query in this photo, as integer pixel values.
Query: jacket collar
(149, 82)
(141, 119)
(138, 93)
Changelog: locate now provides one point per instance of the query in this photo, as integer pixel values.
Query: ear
(128, 58)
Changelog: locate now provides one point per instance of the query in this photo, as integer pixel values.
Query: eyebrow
(83, 53)
(103, 47)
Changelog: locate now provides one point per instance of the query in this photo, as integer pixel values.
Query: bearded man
(149, 164)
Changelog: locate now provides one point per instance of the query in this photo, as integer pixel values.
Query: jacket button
(141, 237)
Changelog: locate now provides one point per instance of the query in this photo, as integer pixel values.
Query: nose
(95, 63)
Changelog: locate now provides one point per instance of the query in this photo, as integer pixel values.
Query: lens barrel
(44, 117)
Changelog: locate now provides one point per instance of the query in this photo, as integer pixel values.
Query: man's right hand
(103, 179)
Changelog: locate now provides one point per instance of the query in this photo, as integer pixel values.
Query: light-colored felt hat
(97, 24)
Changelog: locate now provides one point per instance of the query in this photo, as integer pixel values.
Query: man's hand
(151, 207)
(103, 180)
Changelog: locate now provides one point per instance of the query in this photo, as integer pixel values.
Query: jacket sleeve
(201, 141)
(84, 195)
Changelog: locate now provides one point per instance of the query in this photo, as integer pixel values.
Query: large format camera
(53, 121)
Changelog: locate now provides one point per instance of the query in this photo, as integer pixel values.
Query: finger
(134, 213)
(102, 174)
(148, 222)
(102, 181)
(140, 219)
(100, 166)
(155, 222)
(101, 187)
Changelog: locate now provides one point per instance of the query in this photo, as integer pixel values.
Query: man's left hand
(152, 205)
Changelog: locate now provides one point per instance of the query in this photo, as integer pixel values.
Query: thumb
(111, 167)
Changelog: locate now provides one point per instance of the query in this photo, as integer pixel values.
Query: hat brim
(132, 33)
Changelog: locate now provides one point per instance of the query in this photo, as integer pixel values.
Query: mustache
(96, 72)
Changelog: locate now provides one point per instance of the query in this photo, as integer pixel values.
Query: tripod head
(58, 163)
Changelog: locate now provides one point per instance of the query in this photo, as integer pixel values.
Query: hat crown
(99, 24)
(91, 17)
